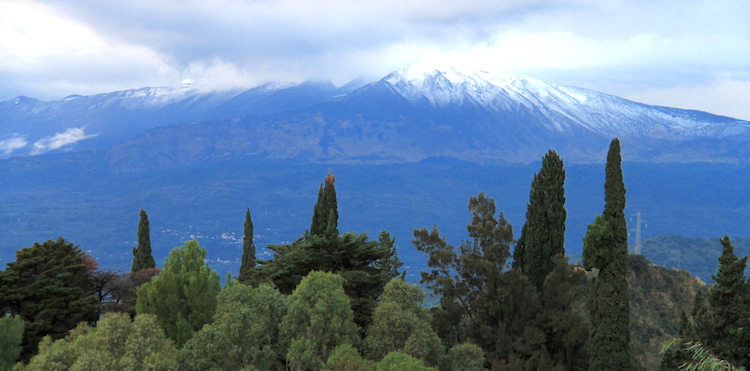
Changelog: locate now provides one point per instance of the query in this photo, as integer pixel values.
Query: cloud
(7, 146)
(53, 48)
(70, 136)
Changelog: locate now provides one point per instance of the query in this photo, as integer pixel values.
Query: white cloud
(52, 48)
(7, 146)
(726, 96)
(70, 136)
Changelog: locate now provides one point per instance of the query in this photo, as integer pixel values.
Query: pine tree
(248, 249)
(722, 324)
(142, 258)
(608, 304)
(543, 234)
(48, 287)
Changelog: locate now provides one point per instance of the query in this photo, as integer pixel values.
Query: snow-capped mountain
(561, 107)
(407, 116)
(28, 126)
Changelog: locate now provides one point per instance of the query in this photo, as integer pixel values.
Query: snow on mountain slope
(513, 111)
(560, 108)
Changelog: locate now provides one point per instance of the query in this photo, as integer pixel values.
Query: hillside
(658, 296)
(695, 254)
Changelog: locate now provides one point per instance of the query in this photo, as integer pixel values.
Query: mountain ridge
(406, 116)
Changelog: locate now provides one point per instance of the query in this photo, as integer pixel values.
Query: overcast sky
(678, 53)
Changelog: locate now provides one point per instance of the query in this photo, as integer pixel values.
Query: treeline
(333, 301)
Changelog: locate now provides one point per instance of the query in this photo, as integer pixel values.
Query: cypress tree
(543, 234)
(142, 258)
(316, 224)
(248, 249)
(325, 213)
(608, 305)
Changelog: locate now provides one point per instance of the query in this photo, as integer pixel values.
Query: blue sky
(679, 53)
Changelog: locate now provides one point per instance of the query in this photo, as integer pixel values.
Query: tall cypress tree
(248, 249)
(325, 214)
(543, 234)
(142, 257)
(606, 248)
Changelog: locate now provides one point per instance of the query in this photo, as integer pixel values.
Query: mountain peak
(491, 90)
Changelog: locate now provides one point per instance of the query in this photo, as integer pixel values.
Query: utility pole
(638, 222)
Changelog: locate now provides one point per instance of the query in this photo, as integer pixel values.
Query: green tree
(400, 323)
(11, 333)
(543, 234)
(142, 258)
(390, 263)
(397, 361)
(722, 325)
(244, 332)
(351, 255)
(566, 329)
(248, 249)
(346, 358)
(183, 297)
(318, 320)
(607, 243)
(325, 214)
(464, 357)
(48, 286)
(469, 279)
(116, 343)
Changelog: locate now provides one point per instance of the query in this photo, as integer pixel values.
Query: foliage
(346, 358)
(325, 213)
(248, 249)
(469, 281)
(400, 323)
(702, 358)
(48, 286)
(365, 265)
(396, 361)
(361, 262)
(500, 311)
(390, 263)
(318, 320)
(721, 322)
(543, 234)
(183, 297)
(11, 333)
(608, 303)
(244, 332)
(565, 327)
(115, 344)
(464, 357)
(142, 257)
(599, 236)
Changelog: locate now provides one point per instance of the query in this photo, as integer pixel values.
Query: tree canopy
(48, 286)
(183, 297)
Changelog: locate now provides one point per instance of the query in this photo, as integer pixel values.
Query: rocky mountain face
(406, 116)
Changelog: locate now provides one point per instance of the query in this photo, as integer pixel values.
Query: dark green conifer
(324, 207)
(543, 234)
(142, 257)
(248, 249)
(608, 305)
(722, 324)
